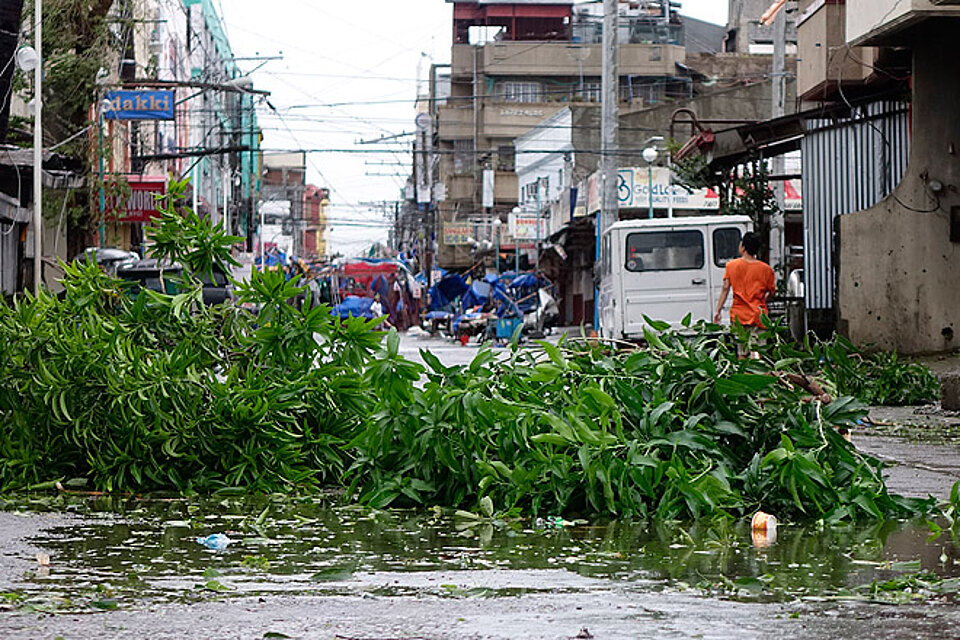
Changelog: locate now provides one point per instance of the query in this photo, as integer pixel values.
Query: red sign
(141, 204)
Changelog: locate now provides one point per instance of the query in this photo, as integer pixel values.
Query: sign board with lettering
(139, 105)
(593, 193)
(633, 191)
(457, 233)
(523, 226)
(140, 204)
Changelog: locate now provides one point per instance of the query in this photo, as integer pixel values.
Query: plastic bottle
(215, 541)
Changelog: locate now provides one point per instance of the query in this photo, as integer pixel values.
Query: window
(506, 158)
(591, 91)
(726, 246)
(514, 91)
(606, 261)
(463, 156)
(664, 251)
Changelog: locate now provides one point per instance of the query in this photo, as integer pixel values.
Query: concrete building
(212, 138)
(515, 64)
(899, 259)
(745, 34)
(282, 202)
(315, 203)
(223, 124)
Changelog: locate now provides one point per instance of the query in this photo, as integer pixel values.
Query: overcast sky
(349, 72)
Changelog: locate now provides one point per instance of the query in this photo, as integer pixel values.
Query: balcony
(879, 21)
(532, 59)
(464, 187)
(497, 119)
(511, 119)
(505, 188)
(454, 123)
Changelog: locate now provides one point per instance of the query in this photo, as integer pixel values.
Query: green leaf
(658, 325)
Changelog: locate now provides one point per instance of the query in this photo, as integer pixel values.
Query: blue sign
(139, 105)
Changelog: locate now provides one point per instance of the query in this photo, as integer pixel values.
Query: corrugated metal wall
(849, 164)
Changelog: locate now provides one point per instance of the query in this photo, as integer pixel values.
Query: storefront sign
(633, 191)
(524, 226)
(457, 233)
(139, 105)
(140, 204)
(593, 193)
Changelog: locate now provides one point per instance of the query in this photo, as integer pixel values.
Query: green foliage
(681, 430)
(160, 391)
(184, 236)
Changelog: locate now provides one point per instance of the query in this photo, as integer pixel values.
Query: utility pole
(608, 117)
(609, 89)
(778, 108)
(38, 150)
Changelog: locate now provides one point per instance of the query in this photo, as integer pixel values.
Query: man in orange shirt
(752, 282)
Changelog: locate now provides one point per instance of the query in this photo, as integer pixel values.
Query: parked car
(164, 277)
(110, 258)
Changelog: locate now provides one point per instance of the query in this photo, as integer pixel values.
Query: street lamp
(28, 59)
(516, 242)
(650, 156)
(104, 106)
(536, 248)
(496, 233)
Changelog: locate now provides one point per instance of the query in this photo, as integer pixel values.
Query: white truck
(664, 268)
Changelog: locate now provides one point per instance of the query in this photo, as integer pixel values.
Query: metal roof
(685, 221)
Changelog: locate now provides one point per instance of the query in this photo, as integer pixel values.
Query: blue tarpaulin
(353, 307)
(446, 291)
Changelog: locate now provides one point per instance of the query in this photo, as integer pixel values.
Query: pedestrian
(376, 310)
(752, 281)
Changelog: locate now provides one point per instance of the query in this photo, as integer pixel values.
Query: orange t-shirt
(751, 281)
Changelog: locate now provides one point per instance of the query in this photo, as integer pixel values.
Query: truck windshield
(664, 250)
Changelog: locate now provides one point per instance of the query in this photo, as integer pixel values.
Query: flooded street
(308, 568)
(79, 566)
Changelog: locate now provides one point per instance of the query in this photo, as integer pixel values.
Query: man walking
(752, 281)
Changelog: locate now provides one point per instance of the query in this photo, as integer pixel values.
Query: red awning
(477, 12)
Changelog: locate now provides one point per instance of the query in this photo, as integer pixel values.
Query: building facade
(515, 64)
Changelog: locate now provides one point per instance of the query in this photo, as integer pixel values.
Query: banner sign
(139, 105)
(457, 233)
(488, 183)
(633, 191)
(524, 226)
(140, 205)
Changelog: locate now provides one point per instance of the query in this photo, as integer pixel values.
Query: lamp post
(650, 156)
(536, 248)
(496, 233)
(105, 105)
(516, 242)
(28, 59)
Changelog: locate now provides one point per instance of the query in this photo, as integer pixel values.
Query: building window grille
(591, 91)
(514, 91)
(506, 158)
(463, 156)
